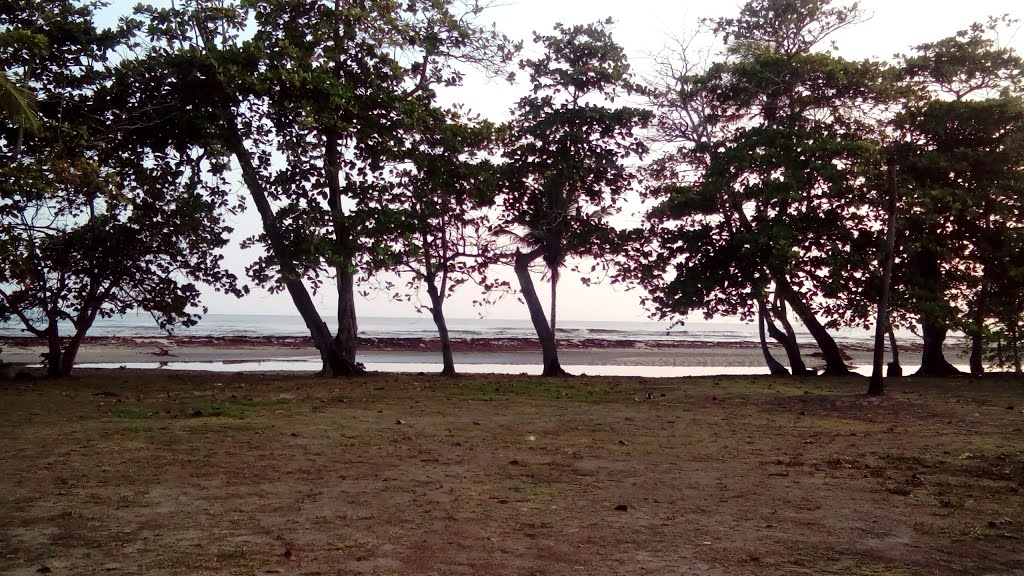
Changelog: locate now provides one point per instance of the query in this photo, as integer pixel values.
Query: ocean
(141, 325)
(135, 325)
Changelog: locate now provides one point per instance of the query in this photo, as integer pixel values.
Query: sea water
(252, 325)
(136, 325)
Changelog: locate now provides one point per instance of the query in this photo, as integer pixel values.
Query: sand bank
(477, 351)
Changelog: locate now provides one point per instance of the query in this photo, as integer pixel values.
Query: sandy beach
(476, 351)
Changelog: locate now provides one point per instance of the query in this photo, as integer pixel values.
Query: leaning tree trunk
(976, 362)
(894, 369)
(437, 313)
(835, 365)
(774, 366)
(933, 363)
(71, 352)
(85, 320)
(548, 346)
(787, 339)
(877, 385)
(334, 364)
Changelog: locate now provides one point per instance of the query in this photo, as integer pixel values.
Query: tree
(767, 150)
(962, 156)
(567, 155)
(317, 109)
(449, 190)
(92, 224)
(885, 262)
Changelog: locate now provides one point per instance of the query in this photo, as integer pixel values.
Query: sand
(480, 351)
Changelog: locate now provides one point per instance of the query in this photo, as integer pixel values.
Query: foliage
(121, 150)
(18, 103)
(785, 27)
(768, 147)
(771, 147)
(448, 189)
(772, 182)
(446, 194)
(568, 150)
(346, 92)
(320, 108)
(963, 156)
(92, 224)
(568, 154)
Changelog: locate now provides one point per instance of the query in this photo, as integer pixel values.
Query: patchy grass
(563, 389)
(133, 413)
(165, 473)
(226, 408)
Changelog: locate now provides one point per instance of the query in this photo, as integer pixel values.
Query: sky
(643, 27)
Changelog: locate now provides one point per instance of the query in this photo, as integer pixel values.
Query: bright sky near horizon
(643, 27)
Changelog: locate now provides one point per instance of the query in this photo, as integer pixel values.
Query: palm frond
(530, 239)
(18, 103)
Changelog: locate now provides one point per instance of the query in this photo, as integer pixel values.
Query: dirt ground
(130, 472)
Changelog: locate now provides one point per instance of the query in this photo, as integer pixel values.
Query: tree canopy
(567, 158)
(94, 223)
(765, 170)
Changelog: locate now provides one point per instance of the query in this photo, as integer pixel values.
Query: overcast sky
(643, 27)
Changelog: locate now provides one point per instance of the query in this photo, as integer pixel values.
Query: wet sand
(498, 351)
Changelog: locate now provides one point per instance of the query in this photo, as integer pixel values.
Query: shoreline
(232, 350)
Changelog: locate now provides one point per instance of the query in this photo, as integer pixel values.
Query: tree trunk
(334, 364)
(776, 368)
(437, 312)
(977, 361)
(933, 363)
(787, 339)
(894, 369)
(71, 352)
(346, 339)
(546, 337)
(554, 305)
(1015, 347)
(54, 356)
(835, 365)
(86, 318)
(348, 329)
(885, 260)
(928, 282)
